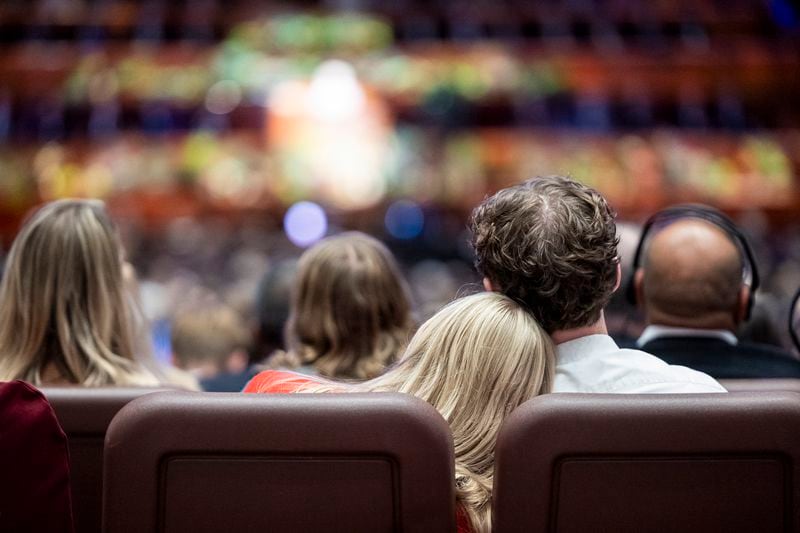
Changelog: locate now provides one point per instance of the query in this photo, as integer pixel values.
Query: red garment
(462, 522)
(280, 382)
(277, 381)
(34, 463)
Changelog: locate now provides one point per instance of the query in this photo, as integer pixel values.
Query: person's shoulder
(277, 381)
(771, 357)
(659, 376)
(34, 459)
(647, 361)
(595, 364)
(723, 360)
(228, 382)
(27, 404)
(767, 350)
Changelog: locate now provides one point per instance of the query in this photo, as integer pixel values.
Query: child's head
(350, 314)
(209, 339)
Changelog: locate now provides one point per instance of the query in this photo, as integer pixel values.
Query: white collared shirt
(596, 364)
(655, 331)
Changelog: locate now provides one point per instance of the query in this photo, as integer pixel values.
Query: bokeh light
(334, 92)
(305, 223)
(223, 97)
(404, 220)
(330, 137)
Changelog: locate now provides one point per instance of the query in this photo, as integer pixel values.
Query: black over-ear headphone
(794, 320)
(669, 215)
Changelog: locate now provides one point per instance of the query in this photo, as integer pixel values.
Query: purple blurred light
(305, 223)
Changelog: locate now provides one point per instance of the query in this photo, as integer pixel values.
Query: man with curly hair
(550, 243)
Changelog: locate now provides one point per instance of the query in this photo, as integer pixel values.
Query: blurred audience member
(433, 285)
(475, 361)
(551, 244)
(350, 315)
(211, 342)
(66, 313)
(691, 288)
(272, 309)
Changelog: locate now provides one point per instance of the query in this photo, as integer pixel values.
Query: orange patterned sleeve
(277, 382)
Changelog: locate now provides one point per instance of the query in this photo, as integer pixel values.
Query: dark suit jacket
(722, 360)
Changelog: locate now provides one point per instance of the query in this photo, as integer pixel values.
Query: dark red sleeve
(34, 463)
(277, 381)
(462, 522)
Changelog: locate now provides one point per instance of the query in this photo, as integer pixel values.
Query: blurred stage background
(228, 135)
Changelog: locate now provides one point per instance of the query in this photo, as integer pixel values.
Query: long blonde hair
(349, 313)
(63, 303)
(475, 361)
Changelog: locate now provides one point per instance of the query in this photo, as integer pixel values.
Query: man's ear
(740, 313)
(619, 278)
(638, 287)
(487, 284)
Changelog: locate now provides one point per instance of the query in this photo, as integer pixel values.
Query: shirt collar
(654, 331)
(582, 347)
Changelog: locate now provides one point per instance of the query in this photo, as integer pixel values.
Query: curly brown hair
(549, 243)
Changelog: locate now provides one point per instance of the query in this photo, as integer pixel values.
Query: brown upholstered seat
(751, 385)
(194, 462)
(677, 463)
(84, 414)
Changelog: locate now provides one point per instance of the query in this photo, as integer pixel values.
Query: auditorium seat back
(85, 413)
(753, 385)
(193, 462)
(667, 463)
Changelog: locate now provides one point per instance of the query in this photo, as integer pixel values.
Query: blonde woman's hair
(475, 361)
(349, 313)
(64, 308)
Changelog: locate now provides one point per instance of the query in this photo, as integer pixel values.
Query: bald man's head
(692, 276)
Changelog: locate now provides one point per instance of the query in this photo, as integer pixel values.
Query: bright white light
(305, 223)
(330, 137)
(335, 93)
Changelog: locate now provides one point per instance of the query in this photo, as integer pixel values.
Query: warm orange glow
(330, 138)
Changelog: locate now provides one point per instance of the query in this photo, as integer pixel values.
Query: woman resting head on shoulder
(66, 314)
(349, 310)
(475, 361)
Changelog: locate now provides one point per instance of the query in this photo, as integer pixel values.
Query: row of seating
(178, 461)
